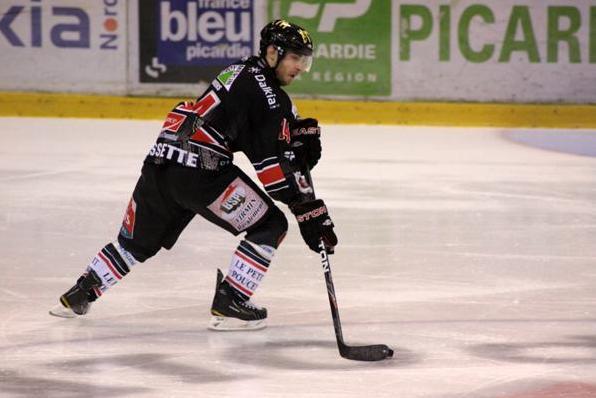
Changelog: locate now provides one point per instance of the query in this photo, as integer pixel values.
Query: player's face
(290, 67)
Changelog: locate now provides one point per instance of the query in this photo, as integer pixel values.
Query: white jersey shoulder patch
(229, 75)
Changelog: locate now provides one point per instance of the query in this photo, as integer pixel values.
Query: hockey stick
(376, 352)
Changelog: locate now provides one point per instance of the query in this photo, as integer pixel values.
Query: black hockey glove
(306, 141)
(315, 224)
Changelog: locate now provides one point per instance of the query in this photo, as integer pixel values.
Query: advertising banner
(187, 41)
(522, 51)
(505, 51)
(352, 45)
(63, 45)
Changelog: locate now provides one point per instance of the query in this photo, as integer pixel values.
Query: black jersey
(243, 109)
(254, 114)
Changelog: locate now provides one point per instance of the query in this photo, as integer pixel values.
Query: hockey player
(189, 170)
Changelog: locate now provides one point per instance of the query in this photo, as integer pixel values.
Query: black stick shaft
(359, 353)
(328, 281)
(331, 293)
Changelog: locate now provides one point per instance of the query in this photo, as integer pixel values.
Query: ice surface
(474, 257)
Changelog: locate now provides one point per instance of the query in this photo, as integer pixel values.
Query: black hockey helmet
(286, 36)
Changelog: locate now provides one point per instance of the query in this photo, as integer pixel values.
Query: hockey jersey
(243, 109)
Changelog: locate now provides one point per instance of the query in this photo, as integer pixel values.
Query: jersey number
(284, 133)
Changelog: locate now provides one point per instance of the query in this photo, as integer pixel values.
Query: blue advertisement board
(185, 41)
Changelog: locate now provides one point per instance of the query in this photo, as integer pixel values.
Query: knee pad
(271, 231)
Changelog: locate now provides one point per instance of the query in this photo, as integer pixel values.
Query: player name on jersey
(182, 156)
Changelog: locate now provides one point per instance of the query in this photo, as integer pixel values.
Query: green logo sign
(228, 75)
(352, 38)
(539, 33)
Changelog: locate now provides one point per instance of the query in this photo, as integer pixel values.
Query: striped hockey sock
(248, 267)
(111, 264)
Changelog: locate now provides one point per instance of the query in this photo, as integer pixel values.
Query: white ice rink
(471, 255)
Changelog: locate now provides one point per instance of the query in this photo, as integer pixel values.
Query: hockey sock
(111, 264)
(248, 267)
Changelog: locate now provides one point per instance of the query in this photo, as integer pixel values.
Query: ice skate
(231, 312)
(77, 300)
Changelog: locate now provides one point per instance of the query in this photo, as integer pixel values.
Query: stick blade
(376, 352)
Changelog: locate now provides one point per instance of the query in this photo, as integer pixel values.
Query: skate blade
(227, 324)
(62, 312)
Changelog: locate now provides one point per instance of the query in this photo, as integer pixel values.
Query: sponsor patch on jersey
(128, 223)
(267, 91)
(239, 205)
(173, 122)
(215, 83)
(228, 75)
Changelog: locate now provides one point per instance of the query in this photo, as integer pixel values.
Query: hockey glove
(315, 224)
(306, 141)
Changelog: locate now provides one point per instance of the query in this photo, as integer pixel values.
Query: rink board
(327, 111)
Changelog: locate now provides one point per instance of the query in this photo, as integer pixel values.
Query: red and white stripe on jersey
(202, 135)
(269, 172)
(205, 105)
(271, 175)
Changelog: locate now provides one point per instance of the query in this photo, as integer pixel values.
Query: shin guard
(111, 264)
(248, 267)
